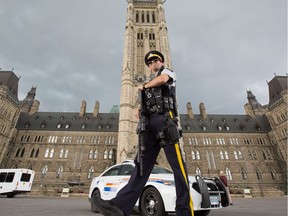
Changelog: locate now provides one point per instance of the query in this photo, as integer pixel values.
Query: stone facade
(73, 147)
(9, 112)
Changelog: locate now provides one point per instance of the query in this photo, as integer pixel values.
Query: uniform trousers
(128, 195)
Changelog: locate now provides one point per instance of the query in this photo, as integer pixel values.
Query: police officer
(161, 132)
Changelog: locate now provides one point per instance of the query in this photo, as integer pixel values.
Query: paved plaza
(25, 205)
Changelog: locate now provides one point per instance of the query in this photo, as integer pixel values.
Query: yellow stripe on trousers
(179, 157)
(180, 161)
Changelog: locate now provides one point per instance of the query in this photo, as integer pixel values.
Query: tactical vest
(161, 99)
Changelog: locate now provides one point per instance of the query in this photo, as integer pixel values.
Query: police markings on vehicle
(112, 187)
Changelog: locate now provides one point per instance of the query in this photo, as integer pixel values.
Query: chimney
(96, 109)
(82, 109)
(189, 110)
(202, 110)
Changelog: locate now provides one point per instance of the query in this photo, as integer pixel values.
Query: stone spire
(27, 103)
(34, 107)
(253, 107)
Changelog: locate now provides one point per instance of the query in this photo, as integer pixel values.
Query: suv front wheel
(96, 193)
(151, 203)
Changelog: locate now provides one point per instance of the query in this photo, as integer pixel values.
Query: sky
(72, 50)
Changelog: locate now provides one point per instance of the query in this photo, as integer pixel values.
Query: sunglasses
(151, 62)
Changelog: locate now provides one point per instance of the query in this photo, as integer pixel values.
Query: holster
(169, 134)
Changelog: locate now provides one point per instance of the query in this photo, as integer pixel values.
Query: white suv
(158, 197)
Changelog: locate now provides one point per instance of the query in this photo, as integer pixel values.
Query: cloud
(72, 50)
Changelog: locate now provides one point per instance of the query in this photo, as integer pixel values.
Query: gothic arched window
(137, 16)
(47, 153)
(36, 153)
(153, 17)
(228, 173)
(22, 152)
(61, 153)
(51, 153)
(198, 171)
(226, 155)
(105, 154)
(273, 173)
(59, 172)
(197, 155)
(44, 171)
(90, 154)
(148, 17)
(258, 174)
(193, 155)
(95, 154)
(143, 17)
(243, 173)
(32, 153)
(235, 155)
(110, 154)
(18, 152)
(222, 155)
(90, 173)
(66, 153)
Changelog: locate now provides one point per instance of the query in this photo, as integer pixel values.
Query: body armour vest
(162, 99)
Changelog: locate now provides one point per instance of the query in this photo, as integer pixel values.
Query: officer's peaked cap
(153, 55)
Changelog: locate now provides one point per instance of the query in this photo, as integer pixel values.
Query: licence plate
(214, 200)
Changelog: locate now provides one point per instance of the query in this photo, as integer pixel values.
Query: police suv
(159, 196)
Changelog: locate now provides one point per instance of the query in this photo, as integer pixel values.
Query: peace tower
(145, 30)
